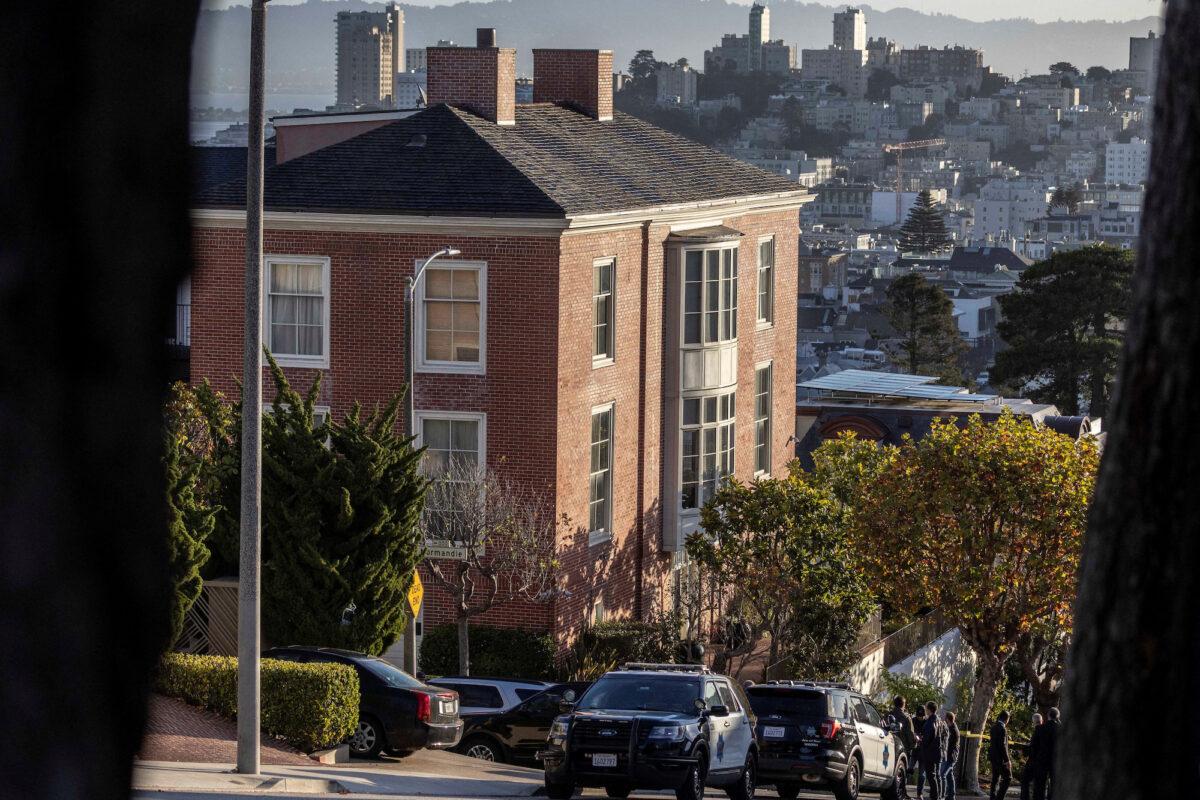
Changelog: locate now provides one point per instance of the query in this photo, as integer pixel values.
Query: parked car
(515, 735)
(814, 735)
(489, 695)
(396, 712)
(655, 726)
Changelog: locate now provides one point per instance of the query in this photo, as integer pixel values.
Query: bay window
(710, 296)
(707, 446)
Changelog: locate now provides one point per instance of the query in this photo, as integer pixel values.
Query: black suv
(825, 734)
(654, 726)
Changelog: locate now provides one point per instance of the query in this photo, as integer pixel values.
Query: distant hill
(301, 49)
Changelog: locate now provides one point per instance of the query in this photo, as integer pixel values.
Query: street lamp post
(249, 562)
(410, 286)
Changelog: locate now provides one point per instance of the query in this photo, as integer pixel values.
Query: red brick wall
(367, 344)
(481, 79)
(583, 77)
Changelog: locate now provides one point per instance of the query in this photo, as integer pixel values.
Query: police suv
(825, 735)
(654, 726)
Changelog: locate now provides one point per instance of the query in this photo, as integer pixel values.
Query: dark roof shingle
(553, 162)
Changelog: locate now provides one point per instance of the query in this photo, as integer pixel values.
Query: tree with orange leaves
(984, 521)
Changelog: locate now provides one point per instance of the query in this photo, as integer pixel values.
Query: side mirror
(567, 703)
(719, 711)
(569, 696)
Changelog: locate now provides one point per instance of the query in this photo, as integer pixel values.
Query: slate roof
(212, 166)
(553, 162)
(985, 259)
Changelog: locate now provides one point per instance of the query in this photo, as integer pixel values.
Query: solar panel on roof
(891, 384)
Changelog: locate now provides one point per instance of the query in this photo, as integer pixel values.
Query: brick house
(588, 339)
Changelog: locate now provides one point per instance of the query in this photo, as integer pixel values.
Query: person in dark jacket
(915, 763)
(1030, 762)
(999, 757)
(949, 757)
(907, 734)
(931, 750)
(1043, 774)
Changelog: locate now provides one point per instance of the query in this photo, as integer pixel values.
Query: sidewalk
(176, 731)
(457, 777)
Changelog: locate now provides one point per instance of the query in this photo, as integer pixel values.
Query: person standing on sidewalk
(1043, 777)
(949, 757)
(907, 734)
(999, 758)
(1035, 746)
(931, 750)
(915, 762)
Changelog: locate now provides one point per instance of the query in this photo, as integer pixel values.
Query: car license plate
(604, 759)
(772, 732)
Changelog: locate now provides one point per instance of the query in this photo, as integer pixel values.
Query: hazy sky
(1040, 10)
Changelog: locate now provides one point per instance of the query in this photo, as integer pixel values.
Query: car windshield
(389, 674)
(788, 702)
(642, 693)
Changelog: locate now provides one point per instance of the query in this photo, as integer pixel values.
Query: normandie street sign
(439, 548)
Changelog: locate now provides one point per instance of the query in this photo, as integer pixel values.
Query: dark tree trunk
(94, 236)
(1137, 624)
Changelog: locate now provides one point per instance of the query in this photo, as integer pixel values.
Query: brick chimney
(582, 78)
(481, 79)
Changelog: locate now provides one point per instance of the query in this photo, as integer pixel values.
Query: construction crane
(899, 149)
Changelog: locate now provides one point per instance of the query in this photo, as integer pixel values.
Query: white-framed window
(762, 418)
(450, 316)
(766, 281)
(451, 437)
(604, 302)
(710, 295)
(296, 309)
(600, 474)
(707, 446)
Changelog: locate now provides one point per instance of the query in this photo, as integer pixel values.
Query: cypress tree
(925, 229)
(190, 517)
(923, 318)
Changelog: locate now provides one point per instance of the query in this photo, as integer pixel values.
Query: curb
(334, 755)
(243, 783)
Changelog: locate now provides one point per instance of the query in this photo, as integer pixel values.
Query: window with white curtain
(707, 446)
(296, 316)
(451, 317)
(450, 440)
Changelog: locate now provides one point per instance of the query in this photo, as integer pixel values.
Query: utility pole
(250, 562)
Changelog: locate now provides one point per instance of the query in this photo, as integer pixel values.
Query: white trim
(448, 367)
(692, 224)
(602, 535)
(420, 415)
(770, 365)
(291, 121)
(292, 360)
(383, 223)
(681, 212)
(611, 358)
(759, 323)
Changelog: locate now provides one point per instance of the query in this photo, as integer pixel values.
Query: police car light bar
(647, 667)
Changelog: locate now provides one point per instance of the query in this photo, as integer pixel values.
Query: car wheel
(898, 787)
(482, 748)
(367, 741)
(693, 783)
(744, 788)
(788, 791)
(618, 792)
(559, 791)
(848, 788)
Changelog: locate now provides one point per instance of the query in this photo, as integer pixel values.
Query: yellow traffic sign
(416, 593)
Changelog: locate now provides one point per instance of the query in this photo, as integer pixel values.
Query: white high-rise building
(760, 32)
(850, 29)
(1005, 207)
(1127, 163)
(1143, 59)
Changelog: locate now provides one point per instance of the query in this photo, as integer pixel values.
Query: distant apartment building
(676, 85)
(850, 30)
(844, 204)
(962, 65)
(1126, 163)
(1005, 208)
(1063, 97)
(414, 59)
(370, 52)
(1143, 60)
(934, 93)
(754, 51)
(841, 67)
(1081, 165)
(409, 89)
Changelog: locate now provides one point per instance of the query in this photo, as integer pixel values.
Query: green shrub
(310, 706)
(499, 652)
(606, 645)
(915, 691)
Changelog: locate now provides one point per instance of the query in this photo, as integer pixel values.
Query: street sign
(416, 593)
(440, 548)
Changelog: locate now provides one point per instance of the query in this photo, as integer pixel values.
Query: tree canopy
(984, 522)
(1066, 197)
(1064, 326)
(775, 543)
(925, 229)
(923, 318)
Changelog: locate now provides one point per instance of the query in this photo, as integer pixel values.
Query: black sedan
(396, 712)
(516, 735)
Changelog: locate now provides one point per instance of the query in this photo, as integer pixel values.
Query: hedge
(606, 645)
(310, 706)
(499, 652)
